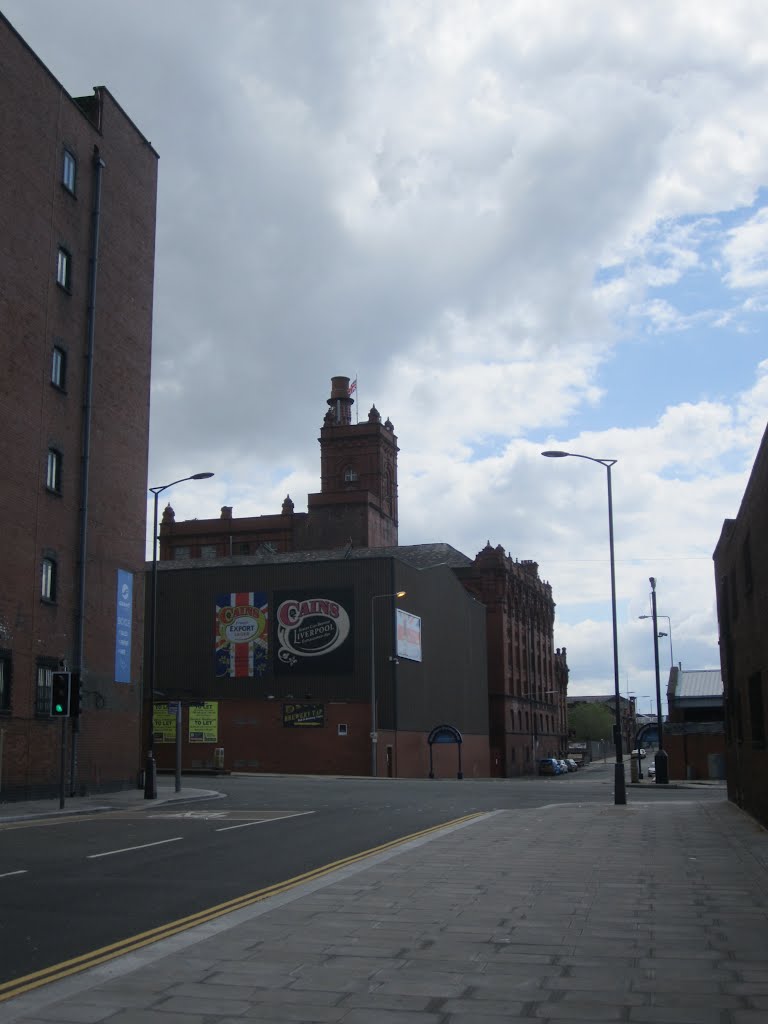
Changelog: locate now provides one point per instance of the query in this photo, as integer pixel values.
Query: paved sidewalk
(653, 912)
(101, 802)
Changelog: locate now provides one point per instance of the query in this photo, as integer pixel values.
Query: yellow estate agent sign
(163, 724)
(204, 723)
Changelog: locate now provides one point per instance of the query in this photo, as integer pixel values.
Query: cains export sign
(241, 635)
(313, 632)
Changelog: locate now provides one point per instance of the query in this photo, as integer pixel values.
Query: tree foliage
(591, 722)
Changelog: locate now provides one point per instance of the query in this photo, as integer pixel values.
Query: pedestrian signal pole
(61, 684)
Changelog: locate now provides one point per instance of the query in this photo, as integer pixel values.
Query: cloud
(476, 209)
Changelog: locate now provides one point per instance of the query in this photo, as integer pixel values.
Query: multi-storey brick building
(741, 575)
(527, 677)
(77, 202)
(353, 520)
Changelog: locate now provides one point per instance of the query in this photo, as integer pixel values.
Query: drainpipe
(93, 268)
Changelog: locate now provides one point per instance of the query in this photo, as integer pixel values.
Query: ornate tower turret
(358, 477)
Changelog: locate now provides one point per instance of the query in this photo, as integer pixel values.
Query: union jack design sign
(242, 626)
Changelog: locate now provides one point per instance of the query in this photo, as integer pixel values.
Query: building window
(64, 269)
(48, 583)
(245, 549)
(59, 368)
(350, 475)
(53, 471)
(69, 171)
(342, 729)
(182, 551)
(757, 711)
(5, 681)
(208, 551)
(43, 692)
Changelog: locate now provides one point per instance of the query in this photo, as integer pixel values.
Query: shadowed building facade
(741, 576)
(79, 183)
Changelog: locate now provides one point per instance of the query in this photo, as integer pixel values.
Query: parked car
(563, 766)
(572, 766)
(548, 766)
(651, 771)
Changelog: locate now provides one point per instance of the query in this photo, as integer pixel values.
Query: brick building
(78, 187)
(356, 505)
(349, 526)
(304, 644)
(694, 733)
(527, 677)
(741, 576)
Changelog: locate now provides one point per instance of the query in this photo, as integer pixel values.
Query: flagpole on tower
(352, 391)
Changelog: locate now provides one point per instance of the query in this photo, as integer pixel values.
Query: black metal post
(619, 782)
(661, 761)
(150, 770)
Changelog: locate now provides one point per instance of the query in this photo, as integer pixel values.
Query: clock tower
(357, 502)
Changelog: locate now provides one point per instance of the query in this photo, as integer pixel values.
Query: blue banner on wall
(123, 626)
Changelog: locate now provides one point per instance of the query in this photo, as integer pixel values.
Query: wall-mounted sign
(303, 715)
(313, 632)
(163, 723)
(241, 635)
(204, 723)
(123, 626)
(408, 635)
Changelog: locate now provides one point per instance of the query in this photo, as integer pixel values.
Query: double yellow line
(18, 986)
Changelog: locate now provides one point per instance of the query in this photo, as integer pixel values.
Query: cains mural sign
(241, 635)
(313, 632)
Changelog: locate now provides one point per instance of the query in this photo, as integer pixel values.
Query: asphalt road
(72, 885)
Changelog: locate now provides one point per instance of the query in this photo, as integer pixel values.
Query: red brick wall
(38, 216)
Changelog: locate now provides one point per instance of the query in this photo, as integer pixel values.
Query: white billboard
(408, 635)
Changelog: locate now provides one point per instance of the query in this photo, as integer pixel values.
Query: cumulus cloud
(475, 209)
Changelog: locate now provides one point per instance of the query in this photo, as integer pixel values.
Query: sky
(520, 225)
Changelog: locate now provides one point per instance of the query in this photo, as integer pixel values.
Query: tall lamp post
(669, 634)
(374, 717)
(619, 782)
(660, 759)
(150, 772)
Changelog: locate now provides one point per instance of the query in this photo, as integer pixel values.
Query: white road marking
(129, 849)
(265, 821)
(9, 874)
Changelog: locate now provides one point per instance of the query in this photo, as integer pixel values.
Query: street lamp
(150, 773)
(374, 723)
(660, 759)
(669, 627)
(619, 782)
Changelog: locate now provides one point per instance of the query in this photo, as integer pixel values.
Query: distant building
(78, 182)
(694, 733)
(503, 687)
(741, 576)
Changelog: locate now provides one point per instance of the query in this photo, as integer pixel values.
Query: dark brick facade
(77, 223)
(447, 685)
(741, 577)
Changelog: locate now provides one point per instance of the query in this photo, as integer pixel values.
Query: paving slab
(482, 922)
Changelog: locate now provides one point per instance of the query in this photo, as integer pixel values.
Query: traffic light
(60, 686)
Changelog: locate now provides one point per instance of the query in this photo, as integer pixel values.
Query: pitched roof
(698, 683)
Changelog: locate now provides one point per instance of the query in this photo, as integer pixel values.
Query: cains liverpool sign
(313, 632)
